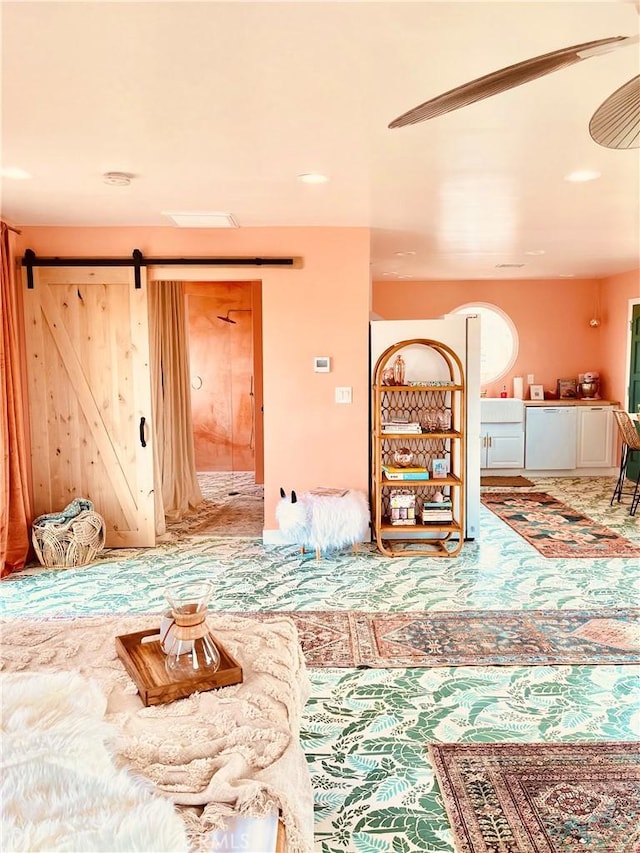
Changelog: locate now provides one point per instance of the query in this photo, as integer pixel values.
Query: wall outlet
(530, 379)
(343, 395)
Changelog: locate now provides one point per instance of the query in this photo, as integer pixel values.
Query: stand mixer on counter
(589, 385)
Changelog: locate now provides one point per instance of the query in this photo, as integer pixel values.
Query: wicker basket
(71, 543)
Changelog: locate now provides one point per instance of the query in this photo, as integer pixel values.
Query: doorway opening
(633, 378)
(224, 320)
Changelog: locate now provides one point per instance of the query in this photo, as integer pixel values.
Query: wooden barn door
(87, 348)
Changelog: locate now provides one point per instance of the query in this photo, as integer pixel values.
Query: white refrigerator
(462, 334)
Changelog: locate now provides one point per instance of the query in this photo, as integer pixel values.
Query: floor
(365, 731)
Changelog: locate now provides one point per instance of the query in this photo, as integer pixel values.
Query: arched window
(498, 340)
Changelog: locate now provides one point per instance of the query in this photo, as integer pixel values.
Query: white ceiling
(219, 106)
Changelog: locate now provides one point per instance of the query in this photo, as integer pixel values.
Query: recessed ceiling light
(215, 219)
(566, 275)
(14, 173)
(403, 254)
(117, 179)
(582, 175)
(405, 276)
(313, 178)
(509, 266)
(535, 252)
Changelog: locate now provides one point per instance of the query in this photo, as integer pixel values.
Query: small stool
(630, 444)
(324, 519)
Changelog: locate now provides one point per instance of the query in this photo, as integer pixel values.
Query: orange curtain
(175, 469)
(15, 509)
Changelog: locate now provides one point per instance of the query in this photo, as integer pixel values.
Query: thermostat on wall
(321, 364)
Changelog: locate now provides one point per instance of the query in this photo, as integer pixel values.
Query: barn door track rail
(137, 261)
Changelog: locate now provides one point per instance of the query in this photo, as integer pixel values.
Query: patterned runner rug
(530, 798)
(555, 529)
(466, 638)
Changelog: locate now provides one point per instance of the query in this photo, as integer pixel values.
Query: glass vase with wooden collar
(185, 636)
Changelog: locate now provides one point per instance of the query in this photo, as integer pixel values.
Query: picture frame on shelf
(439, 469)
(536, 392)
(567, 389)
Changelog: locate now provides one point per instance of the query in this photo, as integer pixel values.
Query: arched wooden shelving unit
(417, 402)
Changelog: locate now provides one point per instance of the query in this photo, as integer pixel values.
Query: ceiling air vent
(216, 219)
(509, 266)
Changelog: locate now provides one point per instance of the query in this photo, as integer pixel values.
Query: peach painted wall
(617, 290)
(551, 317)
(320, 309)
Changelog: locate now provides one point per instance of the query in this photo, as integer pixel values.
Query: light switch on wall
(343, 395)
(530, 379)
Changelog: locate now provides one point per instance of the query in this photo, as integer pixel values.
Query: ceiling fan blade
(500, 81)
(616, 122)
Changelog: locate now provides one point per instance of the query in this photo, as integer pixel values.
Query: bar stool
(630, 444)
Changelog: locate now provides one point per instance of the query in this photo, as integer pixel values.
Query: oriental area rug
(466, 638)
(555, 529)
(541, 798)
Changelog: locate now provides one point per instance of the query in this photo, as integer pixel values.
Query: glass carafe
(189, 644)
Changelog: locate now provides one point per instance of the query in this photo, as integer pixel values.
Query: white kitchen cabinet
(595, 437)
(502, 445)
(550, 438)
(501, 433)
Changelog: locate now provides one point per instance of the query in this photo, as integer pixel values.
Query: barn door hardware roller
(137, 261)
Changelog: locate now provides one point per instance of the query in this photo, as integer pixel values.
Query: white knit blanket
(233, 750)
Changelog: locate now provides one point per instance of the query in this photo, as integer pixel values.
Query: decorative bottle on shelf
(190, 648)
(503, 393)
(398, 370)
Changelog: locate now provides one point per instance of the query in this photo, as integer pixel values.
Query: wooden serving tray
(145, 664)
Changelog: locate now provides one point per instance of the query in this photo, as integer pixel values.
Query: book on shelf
(405, 475)
(445, 504)
(404, 428)
(397, 469)
(437, 515)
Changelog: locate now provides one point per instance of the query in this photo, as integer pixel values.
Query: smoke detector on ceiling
(117, 179)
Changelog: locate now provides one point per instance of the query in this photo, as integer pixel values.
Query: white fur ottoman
(324, 519)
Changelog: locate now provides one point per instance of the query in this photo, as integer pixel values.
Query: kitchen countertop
(571, 402)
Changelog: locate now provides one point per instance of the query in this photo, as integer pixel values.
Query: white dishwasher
(550, 437)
